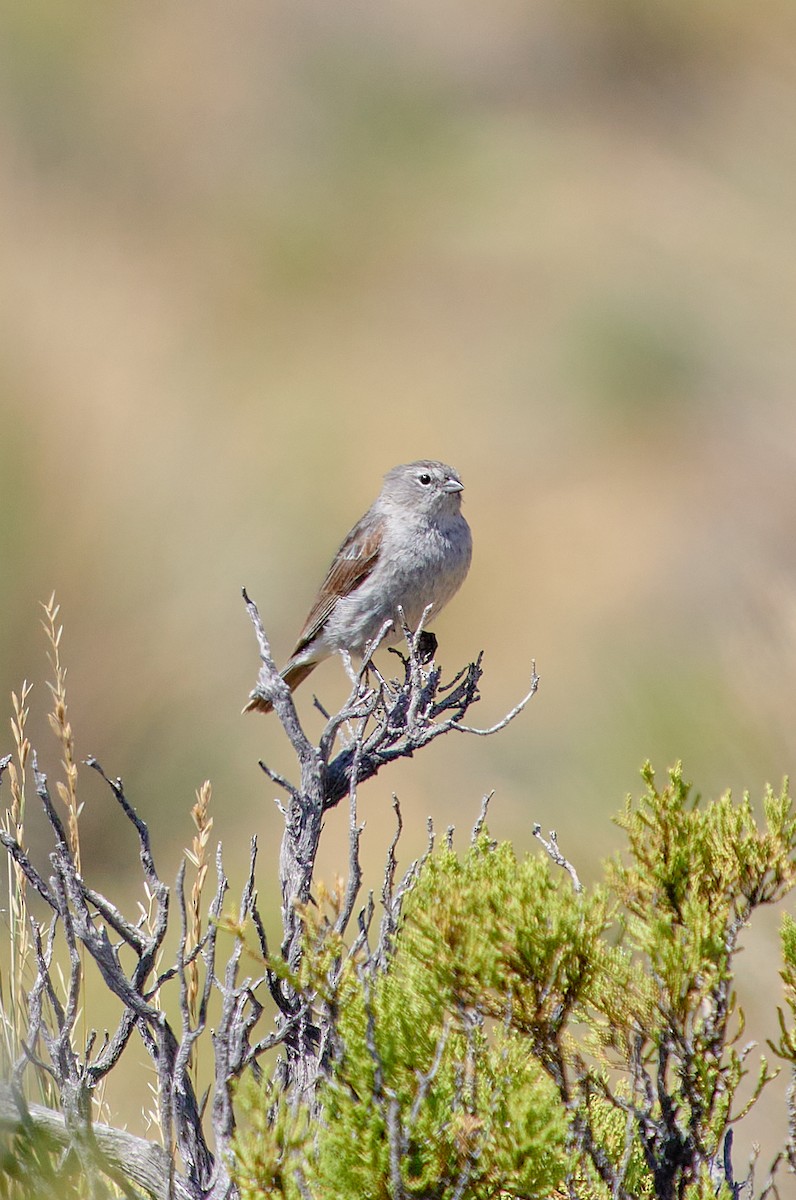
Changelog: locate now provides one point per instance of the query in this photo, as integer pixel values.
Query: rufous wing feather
(352, 564)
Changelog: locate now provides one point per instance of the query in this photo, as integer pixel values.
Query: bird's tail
(292, 675)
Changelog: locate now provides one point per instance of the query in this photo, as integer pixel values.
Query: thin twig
(510, 716)
(552, 849)
(481, 820)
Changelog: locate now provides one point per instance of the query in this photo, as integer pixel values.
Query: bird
(411, 549)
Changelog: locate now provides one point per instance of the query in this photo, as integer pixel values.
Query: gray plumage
(412, 548)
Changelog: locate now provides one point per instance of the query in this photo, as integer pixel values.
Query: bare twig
(144, 1163)
(510, 716)
(354, 837)
(481, 821)
(392, 898)
(552, 849)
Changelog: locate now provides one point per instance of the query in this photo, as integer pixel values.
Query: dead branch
(377, 725)
(142, 1162)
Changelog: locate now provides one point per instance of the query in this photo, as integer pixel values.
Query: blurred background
(254, 255)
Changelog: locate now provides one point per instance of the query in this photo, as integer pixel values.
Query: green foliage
(785, 1048)
(496, 928)
(420, 1078)
(461, 1102)
(524, 1038)
(484, 1115)
(694, 877)
(270, 1142)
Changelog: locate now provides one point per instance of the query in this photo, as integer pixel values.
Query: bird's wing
(352, 564)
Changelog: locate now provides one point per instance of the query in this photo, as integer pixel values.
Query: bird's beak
(452, 485)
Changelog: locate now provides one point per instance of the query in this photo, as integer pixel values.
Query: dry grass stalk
(61, 727)
(59, 722)
(14, 1016)
(198, 857)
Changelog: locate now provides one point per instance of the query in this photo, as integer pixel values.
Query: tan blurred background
(253, 255)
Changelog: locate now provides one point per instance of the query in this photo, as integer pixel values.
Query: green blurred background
(253, 255)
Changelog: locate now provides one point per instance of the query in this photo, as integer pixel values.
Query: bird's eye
(425, 479)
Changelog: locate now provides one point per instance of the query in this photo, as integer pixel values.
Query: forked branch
(166, 1001)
